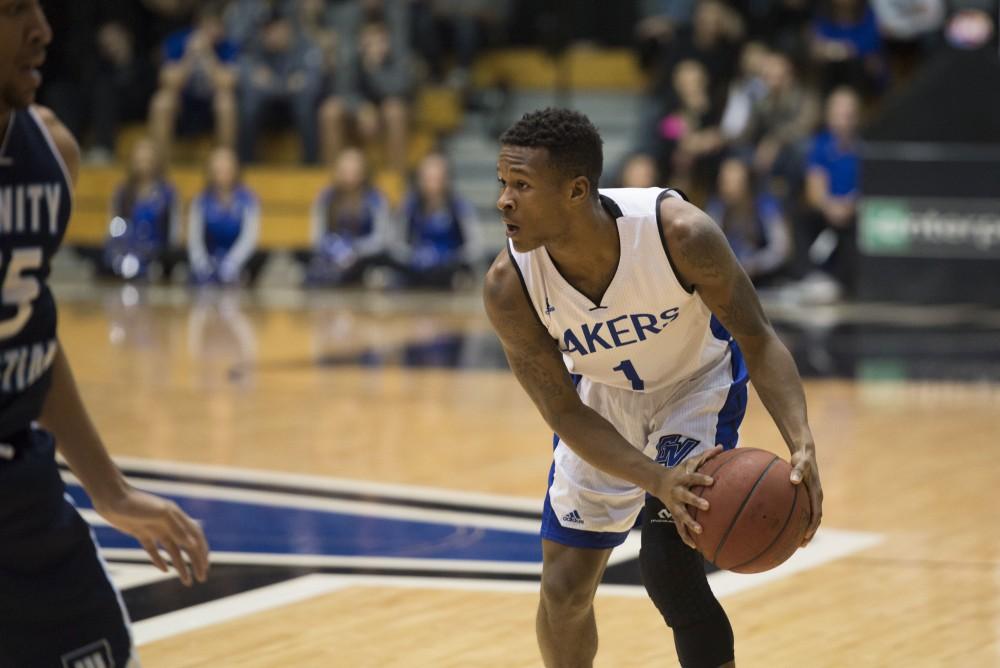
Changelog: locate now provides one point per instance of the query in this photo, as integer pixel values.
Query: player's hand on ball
(676, 493)
(804, 471)
(159, 523)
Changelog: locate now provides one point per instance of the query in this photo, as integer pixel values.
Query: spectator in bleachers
(351, 225)
(244, 19)
(224, 226)
(824, 235)
(659, 21)
(96, 74)
(779, 125)
(753, 221)
(906, 20)
(712, 39)
(781, 24)
(311, 19)
(911, 29)
(847, 47)
(197, 82)
(280, 75)
(452, 32)
(159, 18)
(689, 136)
(145, 218)
(640, 171)
(746, 89)
(441, 228)
(372, 87)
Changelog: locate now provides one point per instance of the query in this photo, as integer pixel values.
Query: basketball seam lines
(694, 509)
(777, 536)
(736, 517)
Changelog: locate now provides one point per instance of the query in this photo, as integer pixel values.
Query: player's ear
(579, 190)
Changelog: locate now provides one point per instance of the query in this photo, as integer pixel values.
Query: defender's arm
(152, 520)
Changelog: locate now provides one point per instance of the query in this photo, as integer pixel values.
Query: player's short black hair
(573, 143)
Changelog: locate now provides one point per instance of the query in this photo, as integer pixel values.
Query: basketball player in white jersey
(615, 310)
(58, 606)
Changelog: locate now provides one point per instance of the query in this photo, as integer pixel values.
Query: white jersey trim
(55, 152)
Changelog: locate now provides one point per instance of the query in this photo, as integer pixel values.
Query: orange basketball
(756, 517)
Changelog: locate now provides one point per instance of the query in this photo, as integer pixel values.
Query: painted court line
(337, 561)
(628, 550)
(233, 607)
(128, 576)
(828, 545)
(324, 483)
(366, 508)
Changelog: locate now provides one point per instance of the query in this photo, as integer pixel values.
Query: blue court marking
(233, 526)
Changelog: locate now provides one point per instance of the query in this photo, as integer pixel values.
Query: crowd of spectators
(753, 108)
(340, 72)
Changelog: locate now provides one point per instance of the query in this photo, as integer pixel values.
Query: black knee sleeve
(674, 577)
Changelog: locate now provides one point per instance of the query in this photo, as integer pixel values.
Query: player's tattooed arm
(531, 352)
(704, 262)
(537, 364)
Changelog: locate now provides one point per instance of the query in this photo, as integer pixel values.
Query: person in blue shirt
(351, 225)
(197, 82)
(753, 222)
(145, 218)
(848, 48)
(825, 233)
(224, 226)
(442, 231)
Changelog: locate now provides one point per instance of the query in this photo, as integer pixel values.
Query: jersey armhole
(524, 286)
(669, 192)
(55, 153)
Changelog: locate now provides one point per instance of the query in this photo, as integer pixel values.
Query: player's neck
(587, 255)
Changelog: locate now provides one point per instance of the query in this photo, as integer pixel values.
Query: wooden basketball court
(382, 404)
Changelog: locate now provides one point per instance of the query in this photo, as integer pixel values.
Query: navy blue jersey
(35, 201)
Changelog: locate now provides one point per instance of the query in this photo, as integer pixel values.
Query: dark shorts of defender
(57, 606)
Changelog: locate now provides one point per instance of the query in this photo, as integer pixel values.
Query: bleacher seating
(579, 68)
(286, 195)
(287, 189)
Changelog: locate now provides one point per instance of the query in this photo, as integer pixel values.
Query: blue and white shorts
(586, 507)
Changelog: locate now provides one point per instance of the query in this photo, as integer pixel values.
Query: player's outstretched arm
(156, 523)
(536, 362)
(702, 257)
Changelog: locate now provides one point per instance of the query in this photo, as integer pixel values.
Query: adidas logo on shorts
(573, 517)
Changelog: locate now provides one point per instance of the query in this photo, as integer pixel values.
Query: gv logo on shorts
(671, 450)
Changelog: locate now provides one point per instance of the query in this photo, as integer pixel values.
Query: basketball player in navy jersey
(57, 606)
(626, 318)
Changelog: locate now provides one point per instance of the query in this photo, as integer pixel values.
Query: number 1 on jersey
(633, 376)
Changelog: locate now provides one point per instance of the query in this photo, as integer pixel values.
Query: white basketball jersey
(648, 332)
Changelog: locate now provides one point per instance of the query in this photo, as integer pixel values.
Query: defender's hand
(675, 493)
(157, 523)
(804, 471)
